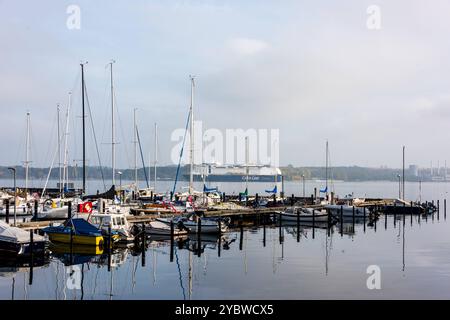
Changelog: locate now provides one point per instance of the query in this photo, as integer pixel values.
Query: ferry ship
(236, 173)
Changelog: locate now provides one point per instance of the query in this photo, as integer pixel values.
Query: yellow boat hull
(77, 239)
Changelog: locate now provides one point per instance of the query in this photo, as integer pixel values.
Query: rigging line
(95, 137)
(142, 157)
(181, 154)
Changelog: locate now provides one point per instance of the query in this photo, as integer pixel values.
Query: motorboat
(207, 225)
(163, 228)
(116, 221)
(347, 210)
(79, 231)
(304, 214)
(18, 241)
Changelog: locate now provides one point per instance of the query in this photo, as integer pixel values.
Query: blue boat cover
(206, 189)
(275, 190)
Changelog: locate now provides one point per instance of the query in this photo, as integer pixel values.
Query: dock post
(342, 221)
(353, 217)
(445, 209)
(36, 206)
(143, 245)
(7, 211)
(280, 228)
(292, 200)
(109, 248)
(219, 247)
(438, 209)
(264, 235)
(274, 199)
(364, 219)
(241, 235)
(395, 214)
(328, 222)
(256, 200)
(298, 226)
(314, 223)
(172, 240)
(411, 213)
(31, 256)
(199, 236)
(69, 209)
(385, 221)
(404, 213)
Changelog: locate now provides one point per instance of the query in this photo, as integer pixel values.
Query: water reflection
(210, 266)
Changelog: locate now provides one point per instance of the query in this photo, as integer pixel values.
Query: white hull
(162, 229)
(305, 217)
(347, 211)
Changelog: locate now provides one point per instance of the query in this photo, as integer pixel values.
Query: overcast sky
(313, 69)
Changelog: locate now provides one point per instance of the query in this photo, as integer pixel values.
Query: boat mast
(66, 153)
(84, 128)
(113, 138)
(27, 155)
(246, 164)
(326, 171)
(191, 151)
(59, 150)
(156, 155)
(403, 174)
(135, 150)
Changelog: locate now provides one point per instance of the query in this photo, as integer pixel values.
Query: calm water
(412, 256)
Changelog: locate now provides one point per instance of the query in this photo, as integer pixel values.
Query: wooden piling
(342, 221)
(31, 256)
(69, 209)
(445, 209)
(36, 206)
(264, 235)
(143, 245)
(7, 211)
(241, 235)
(314, 223)
(298, 226)
(411, 213)
(199, 236)
(364, 219)
(438, 209)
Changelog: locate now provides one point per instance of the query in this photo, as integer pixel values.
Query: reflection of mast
(154, 264)
(403, 248)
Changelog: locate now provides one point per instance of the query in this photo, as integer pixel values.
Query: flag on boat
(85, 207)
(324, 190)
(274, 191)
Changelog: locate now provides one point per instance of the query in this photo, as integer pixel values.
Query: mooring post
(143, 244)
(314, 223)
(353, 217)
(385, 221)
(280, 217)
(292, 200)
(31, 256)
(342, 221)
(328, 222)
(395, 214)
(172, 240)
(241, 235)
(36, 206)
(69, 209)
(438, 209)
(274, 199)
(7, 211)
(264, 235)
(220, 242)
(109, 247)
(364, 219)
(411, 213)
(445, 209)
(298, 225)
(199, 236)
